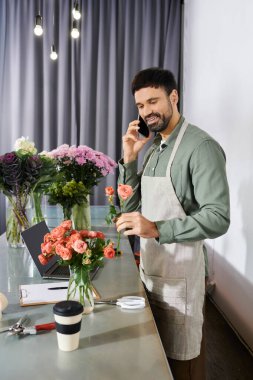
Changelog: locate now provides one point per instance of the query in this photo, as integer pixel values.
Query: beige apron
(172, 273)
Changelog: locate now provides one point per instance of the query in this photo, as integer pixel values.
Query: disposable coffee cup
(68, 319)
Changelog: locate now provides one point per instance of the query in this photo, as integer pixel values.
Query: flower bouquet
(82, 251)
(78, 170)
(20, 172)
(124, 192)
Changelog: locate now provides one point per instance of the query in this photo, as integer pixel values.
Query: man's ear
(174, 97)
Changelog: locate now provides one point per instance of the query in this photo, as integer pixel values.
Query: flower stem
(118, 243)
(38, 217)
(17, 220)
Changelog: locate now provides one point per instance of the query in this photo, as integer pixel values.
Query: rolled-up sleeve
(209, 184)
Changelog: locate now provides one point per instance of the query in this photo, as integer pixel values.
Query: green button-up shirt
(199, 178)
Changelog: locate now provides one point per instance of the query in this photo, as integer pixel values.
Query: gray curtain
(83, 97)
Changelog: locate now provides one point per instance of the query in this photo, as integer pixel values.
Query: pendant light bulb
(53, 54)
(38, 30)
(75, 32)
(76, 12)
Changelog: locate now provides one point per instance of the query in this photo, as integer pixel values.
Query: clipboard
(41, 294)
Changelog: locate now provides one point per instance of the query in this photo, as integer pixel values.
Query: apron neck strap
(176, 145)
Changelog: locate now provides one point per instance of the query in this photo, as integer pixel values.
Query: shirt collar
(172, 136)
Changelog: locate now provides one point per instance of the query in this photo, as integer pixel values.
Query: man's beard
(162, 123)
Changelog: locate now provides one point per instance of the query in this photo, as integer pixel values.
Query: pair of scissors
(19, 328)
(128, 302)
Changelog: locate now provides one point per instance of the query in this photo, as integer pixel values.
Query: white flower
(45, 153)
(24, 144)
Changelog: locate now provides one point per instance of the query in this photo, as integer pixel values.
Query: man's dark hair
(154, 77)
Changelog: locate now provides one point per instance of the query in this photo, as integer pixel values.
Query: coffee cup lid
(68, 308)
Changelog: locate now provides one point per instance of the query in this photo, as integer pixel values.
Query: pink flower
(109, 252)
(125, 191)
(80, 160)
(63, 252)
(79, 246)
(109, 190)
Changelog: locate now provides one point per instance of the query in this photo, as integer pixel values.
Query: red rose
(84, 233)
(100, 235)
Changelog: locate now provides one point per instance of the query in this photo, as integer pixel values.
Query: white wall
(218, 97)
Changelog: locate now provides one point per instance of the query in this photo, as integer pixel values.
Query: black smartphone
(143, 130)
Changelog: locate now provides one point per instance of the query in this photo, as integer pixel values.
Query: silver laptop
(33, 237)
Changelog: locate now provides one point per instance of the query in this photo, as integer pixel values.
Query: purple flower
(32, 167)
(11, 168)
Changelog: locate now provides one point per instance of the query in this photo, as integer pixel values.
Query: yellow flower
(86, 261)
(88, 252)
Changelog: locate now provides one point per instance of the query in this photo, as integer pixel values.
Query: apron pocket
(168, 296)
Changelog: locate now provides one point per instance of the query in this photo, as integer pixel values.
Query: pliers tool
(20, 329)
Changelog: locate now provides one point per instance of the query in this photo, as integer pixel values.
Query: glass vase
(37, 208)
(18, 216)
(67, 212)
(80, 288)
(81, 217)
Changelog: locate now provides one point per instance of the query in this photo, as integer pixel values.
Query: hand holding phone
(143, 128)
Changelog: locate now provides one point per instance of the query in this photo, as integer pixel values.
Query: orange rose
(125, 191)
(109, 190)
(43, 259)
(67, 224)
(73, 238)
(47, 237)
(109, 252)
(58, 232)
(47, 248)
(65, 253)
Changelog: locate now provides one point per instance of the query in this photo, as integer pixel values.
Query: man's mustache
(151, 115)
